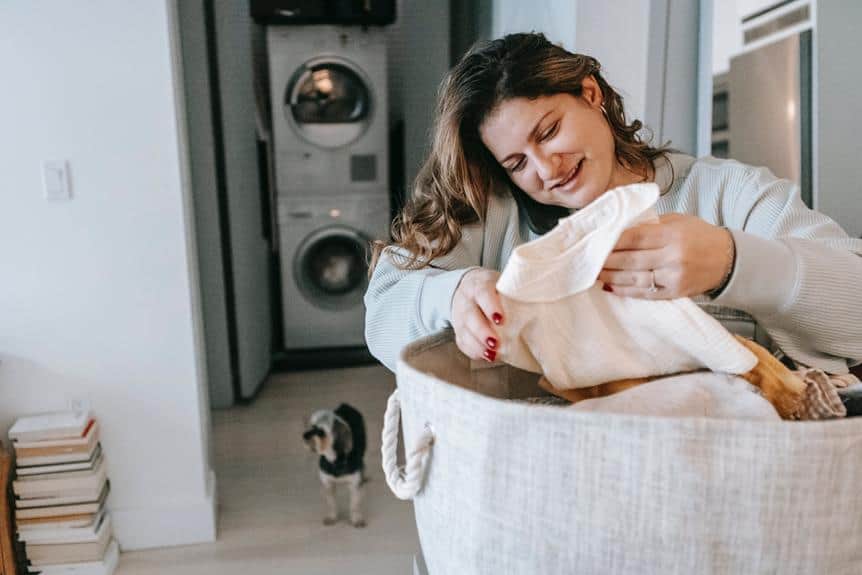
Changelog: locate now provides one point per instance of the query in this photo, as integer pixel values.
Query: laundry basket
(502, 486)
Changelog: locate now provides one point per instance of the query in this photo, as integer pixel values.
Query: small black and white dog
(339, 438)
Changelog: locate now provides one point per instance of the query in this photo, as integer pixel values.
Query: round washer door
(331, 267)
(329, 102)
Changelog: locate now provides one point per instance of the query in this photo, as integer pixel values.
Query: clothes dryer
(329, 110)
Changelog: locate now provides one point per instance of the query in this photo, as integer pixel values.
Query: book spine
(23, 452)
(85, 439)
(46, 487)
(52, 459)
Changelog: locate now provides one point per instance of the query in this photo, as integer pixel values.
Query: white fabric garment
(561, 323)
(796, 278)
(700, 394)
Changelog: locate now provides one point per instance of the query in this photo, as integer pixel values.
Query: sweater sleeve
(797, 272)
(402, 305)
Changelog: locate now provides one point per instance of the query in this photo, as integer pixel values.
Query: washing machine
(325, 250)
(329, 109)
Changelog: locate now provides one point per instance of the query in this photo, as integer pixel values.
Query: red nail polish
(607, 287)
(491, 343)
(498, 318)
(490, 354)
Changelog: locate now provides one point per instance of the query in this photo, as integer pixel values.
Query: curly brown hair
(452, 186)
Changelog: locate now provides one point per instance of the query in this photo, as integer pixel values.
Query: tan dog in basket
(780, 386)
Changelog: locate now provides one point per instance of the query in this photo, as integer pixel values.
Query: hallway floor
(270, 508)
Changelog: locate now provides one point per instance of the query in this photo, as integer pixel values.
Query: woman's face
(559, 149)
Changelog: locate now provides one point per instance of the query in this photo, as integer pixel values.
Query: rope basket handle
(405, 482)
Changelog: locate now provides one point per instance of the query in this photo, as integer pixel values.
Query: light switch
(55, 179)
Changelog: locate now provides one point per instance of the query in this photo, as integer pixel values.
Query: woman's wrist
(730, 263)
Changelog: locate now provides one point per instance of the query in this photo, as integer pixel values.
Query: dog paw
(330, 520)
(358, 522)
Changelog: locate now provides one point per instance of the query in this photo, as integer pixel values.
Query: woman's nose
(547, 166)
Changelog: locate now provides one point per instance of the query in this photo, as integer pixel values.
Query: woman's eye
(550, 132)
(517, 167)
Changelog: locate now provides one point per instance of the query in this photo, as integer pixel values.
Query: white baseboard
(148, 527)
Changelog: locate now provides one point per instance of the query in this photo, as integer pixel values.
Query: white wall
(98, 294)
(648, 52)
(679, 99)
(726, 34)
(554, 18)
(616, 34)
(418, 57)
(837, 85)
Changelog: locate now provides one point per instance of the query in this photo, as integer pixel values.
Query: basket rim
(830, 428)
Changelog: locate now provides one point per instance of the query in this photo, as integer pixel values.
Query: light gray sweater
(798, 276)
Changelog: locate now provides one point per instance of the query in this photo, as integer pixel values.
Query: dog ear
(342, 437)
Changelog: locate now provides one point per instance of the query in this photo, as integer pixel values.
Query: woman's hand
(476, 307)
(687, 255)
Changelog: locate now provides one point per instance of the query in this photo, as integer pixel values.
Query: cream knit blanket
(561, 323)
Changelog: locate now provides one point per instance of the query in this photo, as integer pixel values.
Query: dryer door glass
(329, 93)
(331, 267)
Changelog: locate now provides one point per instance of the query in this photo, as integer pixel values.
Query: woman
(527, 132)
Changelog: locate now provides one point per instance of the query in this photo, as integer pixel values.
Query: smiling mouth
(572, 175)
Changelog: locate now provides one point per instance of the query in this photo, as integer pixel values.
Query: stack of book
(60, 494)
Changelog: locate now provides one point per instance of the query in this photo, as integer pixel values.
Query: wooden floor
(270, 508)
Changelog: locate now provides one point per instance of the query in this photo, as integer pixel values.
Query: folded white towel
(702, 394)
(561, 323)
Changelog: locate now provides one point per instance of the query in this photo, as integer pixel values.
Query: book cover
(83, 444)
(54, 455)
(59, 467)
(67, 509)
(51, 554)
(104, 567)
(47, 426)
(60, 521)
(84, 439)
(67, 497)
(86, 472)
(87, 534)
(59, 484)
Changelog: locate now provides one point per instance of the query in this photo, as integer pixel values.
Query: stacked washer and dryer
(331, 163)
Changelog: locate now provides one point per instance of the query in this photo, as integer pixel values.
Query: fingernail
(607, 287)
(491, 342)
(498, 318)
(490, 354)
